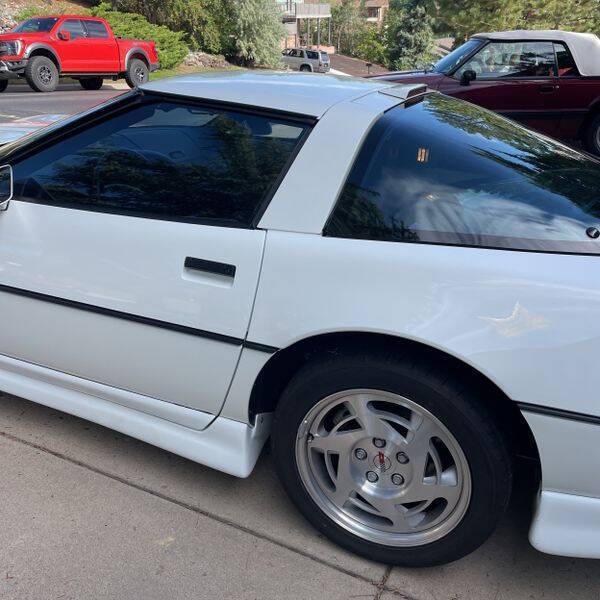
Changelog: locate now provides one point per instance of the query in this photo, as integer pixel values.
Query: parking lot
(90, 513)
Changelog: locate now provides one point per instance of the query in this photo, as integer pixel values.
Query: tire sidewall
(591, 140)
(32, 73)
(131, 79)
(490, 484)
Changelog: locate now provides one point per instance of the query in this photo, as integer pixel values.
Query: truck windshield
(36, 25)
(453, 60)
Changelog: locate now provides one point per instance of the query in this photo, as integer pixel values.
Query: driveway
(90, 513)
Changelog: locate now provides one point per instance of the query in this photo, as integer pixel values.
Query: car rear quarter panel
(528, 321)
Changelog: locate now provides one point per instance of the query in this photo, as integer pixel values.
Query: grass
(185, 70)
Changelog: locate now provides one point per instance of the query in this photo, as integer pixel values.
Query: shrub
(171, 46)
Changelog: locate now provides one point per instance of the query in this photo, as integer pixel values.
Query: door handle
(547, 89)
(209, 266)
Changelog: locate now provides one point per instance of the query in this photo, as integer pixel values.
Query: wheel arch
(593, 111)
(43, 50)
(282, 365)
(307, 65)
(136, 52)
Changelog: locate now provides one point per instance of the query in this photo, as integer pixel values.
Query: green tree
(370, 45)
(463, 18)
(347, 26)
(572, 15)
(409, 35)
(204, 22)
(256, 31)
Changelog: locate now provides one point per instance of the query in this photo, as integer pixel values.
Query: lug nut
(372, 476)
(378, 442)
(402, 458)
(360, 454)
(397, 479)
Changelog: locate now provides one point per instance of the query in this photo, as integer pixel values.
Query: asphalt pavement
(20, 101)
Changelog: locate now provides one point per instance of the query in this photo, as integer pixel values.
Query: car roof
(585, 47)
(309, 94)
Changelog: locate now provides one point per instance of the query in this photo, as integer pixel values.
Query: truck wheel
(392, 459)
(41, 74)
(305, 68)
(92, 83)
(137, 73)
(3, 85)
(592, 136)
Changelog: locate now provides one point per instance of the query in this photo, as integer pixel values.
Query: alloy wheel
(383, 467)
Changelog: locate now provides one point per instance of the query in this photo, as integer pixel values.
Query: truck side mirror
(468, 76)
(6, 186)
(65, 36)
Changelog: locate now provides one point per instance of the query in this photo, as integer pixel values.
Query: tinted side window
(75, 27)
(312, 55)
(96, 29)
(167, 161)
(565, 63)
(512, 59)
(448, 172)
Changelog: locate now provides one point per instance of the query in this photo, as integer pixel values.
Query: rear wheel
(91, 83)
(137, 73)
(391, 461)
(305, 68)
(41, 74)
(3, 85)
(592, 136)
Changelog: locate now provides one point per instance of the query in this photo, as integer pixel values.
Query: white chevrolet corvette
(400, 288)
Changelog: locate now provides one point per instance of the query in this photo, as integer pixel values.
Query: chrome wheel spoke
(335, 441)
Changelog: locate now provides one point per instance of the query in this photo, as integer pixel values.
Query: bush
(171, 46)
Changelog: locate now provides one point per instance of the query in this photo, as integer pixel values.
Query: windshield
(452, 60)
(36, 25)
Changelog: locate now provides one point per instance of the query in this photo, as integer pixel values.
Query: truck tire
(592, 136)
(91, 83)
(41, 74)
(137, 73)
(305, 68)
(3, 85)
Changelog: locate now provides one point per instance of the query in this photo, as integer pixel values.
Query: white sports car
(398, 287)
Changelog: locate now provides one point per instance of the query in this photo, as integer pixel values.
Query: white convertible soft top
(585, 47)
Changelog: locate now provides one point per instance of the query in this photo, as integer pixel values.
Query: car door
(513, 78)
(574, 94)
(101, 50)
(128, 256)
(73, 56)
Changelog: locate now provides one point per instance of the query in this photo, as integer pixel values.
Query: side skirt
(220, 443)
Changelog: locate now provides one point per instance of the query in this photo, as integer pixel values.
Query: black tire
(3, 85)
(592, 136)
(41, 74)
(137, 73)
(305, 68)
(454, 404)
(91, 83)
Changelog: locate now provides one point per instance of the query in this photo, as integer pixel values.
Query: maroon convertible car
(548, 80)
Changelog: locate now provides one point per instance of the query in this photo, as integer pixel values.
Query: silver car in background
(302, 59)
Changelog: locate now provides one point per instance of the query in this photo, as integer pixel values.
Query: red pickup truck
(42, 49)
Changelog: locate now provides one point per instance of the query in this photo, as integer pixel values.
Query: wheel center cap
(381, 462)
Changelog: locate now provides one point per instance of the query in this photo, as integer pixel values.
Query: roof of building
(309, 94)
(585, 47)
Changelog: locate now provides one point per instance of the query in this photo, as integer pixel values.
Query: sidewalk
(90, 513)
